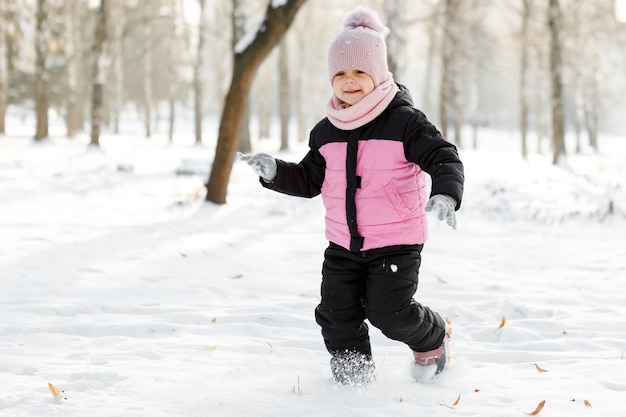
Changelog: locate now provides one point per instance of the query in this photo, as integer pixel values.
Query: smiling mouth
(352, 91)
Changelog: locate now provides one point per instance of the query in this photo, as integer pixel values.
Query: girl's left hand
(443, 205)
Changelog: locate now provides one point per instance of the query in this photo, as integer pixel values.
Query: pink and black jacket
(373, 179)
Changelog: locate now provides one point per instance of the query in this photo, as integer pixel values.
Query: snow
(133, 296)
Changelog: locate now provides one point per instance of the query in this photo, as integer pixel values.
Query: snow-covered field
(127, 291)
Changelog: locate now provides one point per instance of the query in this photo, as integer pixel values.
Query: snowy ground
(122, 288)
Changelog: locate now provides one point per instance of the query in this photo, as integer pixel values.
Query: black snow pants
(377, 285)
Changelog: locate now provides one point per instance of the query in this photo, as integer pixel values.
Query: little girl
(369, 159)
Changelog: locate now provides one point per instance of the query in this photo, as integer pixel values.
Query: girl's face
(351, 85)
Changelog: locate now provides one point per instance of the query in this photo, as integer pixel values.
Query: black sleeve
(424, 145)
(303, 179)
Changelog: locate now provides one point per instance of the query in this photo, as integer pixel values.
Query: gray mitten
(444, 206)
(263, 164)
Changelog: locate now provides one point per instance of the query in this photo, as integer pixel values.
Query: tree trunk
(591, 105)
(41, 74)
(97, 95)
(449, 62)
(71, 116)
(4, 65)
(265, 101)
(238, 24)
(524, 96)
(435, 44)
(556, 67)
(577, 72)
(147, 74)
(275, 23)
(302, 85)
(118, 14)
(197, 73)
(444, 100)
(171, 67)
(593, 76)
(474, 97)
(579, 109)
(283, 99)
(394, 12)
(540, 96)
(458, 107)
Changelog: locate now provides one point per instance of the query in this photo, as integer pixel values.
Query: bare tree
(264, 97)
(178, 32)
(118, 13)
(524, 89)
(4, 64)
(72, 64)
(147, 70)
(394, 13)
(474, 83)
(283, 96)
(98, 72)
(197, 73)
(591, 75)
(41, 73)
(450, 80)
(248, 57)
(238, 27)
(541, 99)
(475, 53)
(556, 77)
(436, 40)
(303, 51)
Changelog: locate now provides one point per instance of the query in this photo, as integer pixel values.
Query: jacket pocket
(396, 200)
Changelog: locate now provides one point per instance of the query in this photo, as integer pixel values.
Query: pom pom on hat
(362, 17)
(360, 45)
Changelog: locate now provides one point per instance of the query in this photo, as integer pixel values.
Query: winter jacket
(372, 179)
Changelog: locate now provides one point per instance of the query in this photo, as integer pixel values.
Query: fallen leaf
(454, 404)
(540, 369)
(208, 347)
(443, 281)
(476, 390)
(502, 323)
(448, 321)
(214, 319)
(538, 409)
(587, 403)
(55, 392)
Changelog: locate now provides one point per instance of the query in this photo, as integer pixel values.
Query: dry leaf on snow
(502, 323)
(455, 403)
(538, 409)
(539, 368)
(208, 347)
(55, 392)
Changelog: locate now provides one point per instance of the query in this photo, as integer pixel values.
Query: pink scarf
(346, 117)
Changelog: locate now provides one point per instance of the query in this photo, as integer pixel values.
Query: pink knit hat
(360, 45)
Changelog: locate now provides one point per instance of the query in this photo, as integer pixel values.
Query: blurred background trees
(533, 68)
